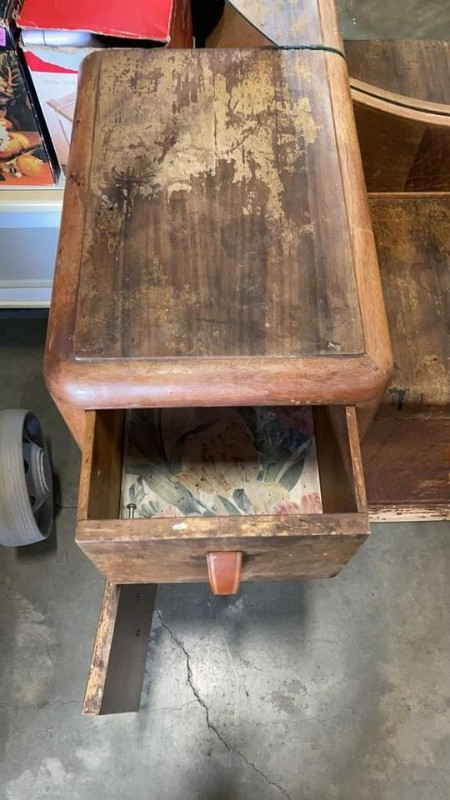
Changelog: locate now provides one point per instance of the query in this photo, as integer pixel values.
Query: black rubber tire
(19, 524)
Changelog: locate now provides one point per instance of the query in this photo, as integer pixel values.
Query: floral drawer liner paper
(220, 462)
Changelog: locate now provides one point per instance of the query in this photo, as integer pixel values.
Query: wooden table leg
(120, 650)
(75, 419)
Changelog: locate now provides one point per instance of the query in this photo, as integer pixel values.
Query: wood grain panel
(413, 241)
(209, 235)
(233, 30)
(101, 466)
(407, 466)
(181, 33)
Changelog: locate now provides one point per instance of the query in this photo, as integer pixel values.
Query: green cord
(309, 47)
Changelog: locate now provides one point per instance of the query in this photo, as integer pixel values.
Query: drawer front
(287, 547)
(168, 550)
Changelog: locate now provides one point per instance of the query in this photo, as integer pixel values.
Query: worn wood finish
(413, 241)
(406, 464)
(273, 549)
(409, 512)
(406, 451)
(65, 284)
(412, 74)
(236, 289)
(161, 550)
(402, 106)
(120, 650)
(235, 31)
(295, 320)
(345, 427)
(292, 23)
(65, 279)
(401, 96)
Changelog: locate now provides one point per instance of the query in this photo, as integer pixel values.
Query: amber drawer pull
(224, 570)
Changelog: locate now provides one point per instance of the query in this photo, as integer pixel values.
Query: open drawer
(162, 549)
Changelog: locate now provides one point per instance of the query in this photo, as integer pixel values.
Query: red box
(57, 35)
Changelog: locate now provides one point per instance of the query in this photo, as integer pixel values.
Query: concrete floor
(311, 691)
(395, 19)
(324, 690)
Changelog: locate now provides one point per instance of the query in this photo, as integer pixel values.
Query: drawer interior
(161, 488)
(219, 462)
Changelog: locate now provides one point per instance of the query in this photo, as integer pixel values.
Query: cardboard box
(57, 35)
(25, 158)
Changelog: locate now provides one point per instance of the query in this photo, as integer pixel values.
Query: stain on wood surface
(216, 222)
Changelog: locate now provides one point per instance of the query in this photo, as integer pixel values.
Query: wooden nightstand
(216, 251)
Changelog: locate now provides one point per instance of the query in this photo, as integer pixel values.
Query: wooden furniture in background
(406, 452)
(401, 95)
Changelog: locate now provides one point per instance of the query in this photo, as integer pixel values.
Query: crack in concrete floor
(211, 726)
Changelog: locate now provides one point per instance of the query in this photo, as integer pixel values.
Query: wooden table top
(210, 228)
(216, 246)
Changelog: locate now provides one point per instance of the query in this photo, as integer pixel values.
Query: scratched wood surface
(293, 22)
(216, 222)
(413, 241)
